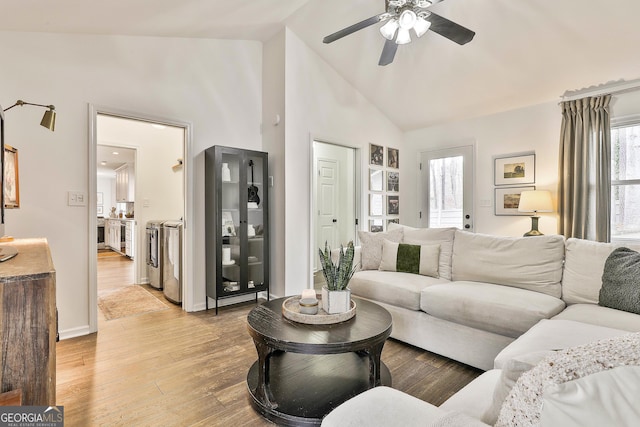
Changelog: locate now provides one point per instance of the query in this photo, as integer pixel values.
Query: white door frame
(188, 291)
(313, 251)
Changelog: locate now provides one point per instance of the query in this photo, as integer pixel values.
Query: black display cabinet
(237, 222)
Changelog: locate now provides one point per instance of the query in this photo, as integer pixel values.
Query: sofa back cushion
(428, 236)
(533, 263)
(371, 247)
(583, 268)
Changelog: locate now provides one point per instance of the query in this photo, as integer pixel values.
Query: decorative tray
(291, 310)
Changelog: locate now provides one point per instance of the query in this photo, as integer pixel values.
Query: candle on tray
(308, 294)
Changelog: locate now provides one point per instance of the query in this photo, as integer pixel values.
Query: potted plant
(336, 296)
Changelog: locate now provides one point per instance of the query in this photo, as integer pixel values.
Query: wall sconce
(535, 201)
(49, 118)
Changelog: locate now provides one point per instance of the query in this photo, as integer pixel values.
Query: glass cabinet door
(255, 223)
(230, 253)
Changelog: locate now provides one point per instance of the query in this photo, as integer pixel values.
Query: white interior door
(447, 188)
(327, 206)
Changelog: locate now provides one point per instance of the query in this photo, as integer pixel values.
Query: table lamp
(535, 201)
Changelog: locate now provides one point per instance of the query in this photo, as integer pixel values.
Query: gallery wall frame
(515, 170)
(376, 202)
(507, 200)
(11, 179)
(376, 179)
(393, 158)
(376, 155)
(393, 182)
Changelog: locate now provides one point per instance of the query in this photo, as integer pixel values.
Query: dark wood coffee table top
(372, 323)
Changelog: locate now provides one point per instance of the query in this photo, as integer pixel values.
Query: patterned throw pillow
(621, 281)
(372, 246)
(416, 259)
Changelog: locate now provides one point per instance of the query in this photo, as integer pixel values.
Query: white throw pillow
(425, 263)
(371, 244)
(608, 398)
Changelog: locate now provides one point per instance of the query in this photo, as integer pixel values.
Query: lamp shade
(49, 120)
(535, 201)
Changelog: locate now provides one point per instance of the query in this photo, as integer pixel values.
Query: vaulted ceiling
(525, 52)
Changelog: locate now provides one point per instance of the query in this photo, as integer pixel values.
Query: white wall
(320, 105)
(214, 84)
(107, 186)
(535, 128)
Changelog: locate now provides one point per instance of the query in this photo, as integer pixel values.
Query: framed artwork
(393, 182)
(100, 210)
(393, 221)
(376, 155)
(375, 205)
(376, 225)
(11, 179)
(393, 158)
(515, 170)
(100, 199)
(393, 205)
(508, 199)
(376, 179)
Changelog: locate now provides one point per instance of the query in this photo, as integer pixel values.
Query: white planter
(226, 173)
(336, 301)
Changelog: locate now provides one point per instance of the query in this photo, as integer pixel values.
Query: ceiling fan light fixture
(389, 29)
(421, 26)
(407, 19)
(403, 36)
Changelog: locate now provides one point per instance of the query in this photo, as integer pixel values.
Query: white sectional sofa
(500, 304)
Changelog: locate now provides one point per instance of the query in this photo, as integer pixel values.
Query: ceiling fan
(402, 16)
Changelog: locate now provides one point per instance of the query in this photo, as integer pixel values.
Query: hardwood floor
(173, 368)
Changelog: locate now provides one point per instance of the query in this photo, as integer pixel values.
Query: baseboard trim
(75, 332)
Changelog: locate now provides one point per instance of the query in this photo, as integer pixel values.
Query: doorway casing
(188, 239)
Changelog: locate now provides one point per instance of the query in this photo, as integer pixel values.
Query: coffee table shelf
(303, 371)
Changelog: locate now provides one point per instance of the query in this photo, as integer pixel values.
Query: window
(625, 181)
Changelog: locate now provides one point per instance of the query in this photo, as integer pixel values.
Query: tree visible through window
(625, 182)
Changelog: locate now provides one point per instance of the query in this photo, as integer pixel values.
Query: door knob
(335, 220)
(467, 216)
(467, 226)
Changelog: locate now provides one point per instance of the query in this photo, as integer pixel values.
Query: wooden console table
(28, 323)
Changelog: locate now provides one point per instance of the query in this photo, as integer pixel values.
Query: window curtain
(584, 192)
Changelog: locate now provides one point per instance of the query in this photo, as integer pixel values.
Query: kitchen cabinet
(28, 327)
(237, 225)
(125, 184)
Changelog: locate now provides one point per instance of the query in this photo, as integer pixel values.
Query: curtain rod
(611, 88)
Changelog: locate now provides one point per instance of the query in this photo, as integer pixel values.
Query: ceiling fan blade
(353, 28)
(449, 29)
(388, 52)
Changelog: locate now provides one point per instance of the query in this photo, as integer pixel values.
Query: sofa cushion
(371, 247)
(425, 236)
(493, 308)
(533, 263)
(476, 398)
(602, 316)
(395, 288)
(416, 259)
(555, 334)
(525, 401)
(583, 267)
(621, 281)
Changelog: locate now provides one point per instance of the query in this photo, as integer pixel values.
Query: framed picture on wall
(393, 158)
(393, 205)
(515, 170)
(376, 225)
(11, 179)
(376, 155)
(508, 199)
(376, 179)
(375, 205)
(393, 221)
(393, 182)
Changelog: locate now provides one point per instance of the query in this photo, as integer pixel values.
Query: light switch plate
(76, 198)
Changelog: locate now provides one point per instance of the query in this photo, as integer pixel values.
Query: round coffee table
(304, 371)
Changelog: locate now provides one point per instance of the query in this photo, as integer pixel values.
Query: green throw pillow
(416, 259)
(621, 281)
